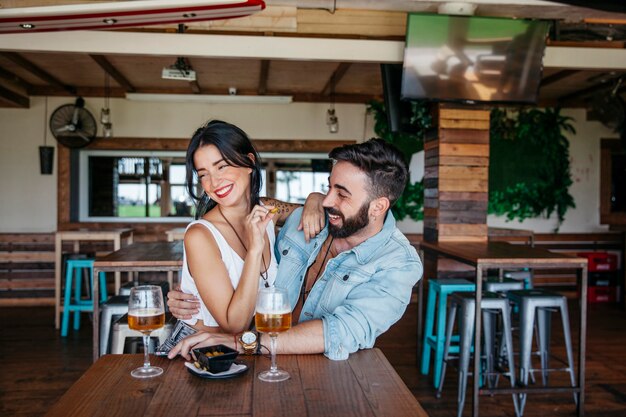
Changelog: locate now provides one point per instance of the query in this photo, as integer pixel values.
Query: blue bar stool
(537, 305)
(435, 335)
(491, 304)
(73, 279)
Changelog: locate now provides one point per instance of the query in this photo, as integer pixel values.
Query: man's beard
(350, 225)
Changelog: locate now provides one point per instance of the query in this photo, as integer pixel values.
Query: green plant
(529, 172)
(411, 202)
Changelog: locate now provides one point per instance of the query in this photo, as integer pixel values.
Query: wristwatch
(249, 340)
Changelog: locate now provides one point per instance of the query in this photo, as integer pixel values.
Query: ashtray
(217, 358)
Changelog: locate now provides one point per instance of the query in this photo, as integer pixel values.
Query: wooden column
(456, 175)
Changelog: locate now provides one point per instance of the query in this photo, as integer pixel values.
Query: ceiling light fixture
(331, 116)
(109, 21)
(27, 26)
(105, 113)
(210, 98)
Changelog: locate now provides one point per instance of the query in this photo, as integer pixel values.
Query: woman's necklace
(263, 274)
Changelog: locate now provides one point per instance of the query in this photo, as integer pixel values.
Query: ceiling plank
(607, 85)
(263, 76)
(335, 78)
(113, 72)
(35, 70)
(557, 76)
(15, 98)
(18, 81)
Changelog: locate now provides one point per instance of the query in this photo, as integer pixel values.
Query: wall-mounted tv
(473, 59)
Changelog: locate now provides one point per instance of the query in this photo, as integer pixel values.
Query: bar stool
(493, 284)
(121, 332)
(73, 279)
(434, 335)
(525, 275)
(491, 304)
(111, 310)
(541, 303)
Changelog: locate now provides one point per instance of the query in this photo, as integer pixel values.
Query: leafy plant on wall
(529, 172)
(411, 202)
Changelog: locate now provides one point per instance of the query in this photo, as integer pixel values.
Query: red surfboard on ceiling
(122, 14)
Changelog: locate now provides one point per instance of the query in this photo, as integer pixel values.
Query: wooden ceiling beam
(113, 72)
(14, 79)
(36, 71)
(606, 85)
(557, 76)
(263, 76)
(336, 77)
(13, 97)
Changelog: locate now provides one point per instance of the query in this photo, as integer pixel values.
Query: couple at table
(348, 270)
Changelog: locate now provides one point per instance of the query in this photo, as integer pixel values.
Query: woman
(228, 250)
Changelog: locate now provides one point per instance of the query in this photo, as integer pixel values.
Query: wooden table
(364, 385)
(113, 235)
(138, 257)
(501, 255)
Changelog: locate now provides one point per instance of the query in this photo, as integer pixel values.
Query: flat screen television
(473, 59)
(399, 112)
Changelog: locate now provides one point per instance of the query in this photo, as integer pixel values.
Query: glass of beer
(273, 315)
(146, 313)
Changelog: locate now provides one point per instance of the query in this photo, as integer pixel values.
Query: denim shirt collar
(366, 250)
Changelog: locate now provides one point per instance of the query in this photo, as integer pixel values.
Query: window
(142, 186)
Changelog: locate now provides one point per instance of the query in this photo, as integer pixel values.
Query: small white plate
(235, 369)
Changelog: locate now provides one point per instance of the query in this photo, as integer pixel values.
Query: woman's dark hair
(235, 146)
(382, 162)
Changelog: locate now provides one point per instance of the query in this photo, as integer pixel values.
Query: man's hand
(313, 217)
(182, 306)
(198, 340)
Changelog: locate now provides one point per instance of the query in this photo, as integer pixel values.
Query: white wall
(28, 199)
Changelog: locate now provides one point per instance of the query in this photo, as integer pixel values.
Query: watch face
(248, 338)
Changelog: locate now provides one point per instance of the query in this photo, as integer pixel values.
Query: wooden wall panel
(456, 176)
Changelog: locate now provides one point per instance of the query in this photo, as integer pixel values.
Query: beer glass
(145, 314)
(273, 315)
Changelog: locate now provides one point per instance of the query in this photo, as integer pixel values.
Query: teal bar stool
(76, 304)
(435, 330)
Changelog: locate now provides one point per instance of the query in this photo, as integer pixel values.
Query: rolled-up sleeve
(370, 309)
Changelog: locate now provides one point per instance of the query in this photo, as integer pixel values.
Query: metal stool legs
(491, 304)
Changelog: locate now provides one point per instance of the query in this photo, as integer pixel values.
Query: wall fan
(72, 125)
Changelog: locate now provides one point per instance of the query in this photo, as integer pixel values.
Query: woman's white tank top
(234, 266)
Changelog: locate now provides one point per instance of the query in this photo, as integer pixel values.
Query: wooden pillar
(456, 175)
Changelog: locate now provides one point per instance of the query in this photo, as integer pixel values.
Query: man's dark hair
(383, 163)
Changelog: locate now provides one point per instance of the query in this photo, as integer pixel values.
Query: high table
(138, 257)
(363, 385)
(112, 235)
(501, 255)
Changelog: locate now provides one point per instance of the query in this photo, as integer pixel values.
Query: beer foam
(145, 312)
(261, 311)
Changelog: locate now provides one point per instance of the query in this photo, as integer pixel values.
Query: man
(354, 280)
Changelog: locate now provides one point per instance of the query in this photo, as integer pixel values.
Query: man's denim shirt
(360, 294)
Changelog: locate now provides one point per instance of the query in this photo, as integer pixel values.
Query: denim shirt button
(345, 277)
(285, 252)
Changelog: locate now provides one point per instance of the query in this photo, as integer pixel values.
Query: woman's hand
(182, 306)
(256, 225)
(313, 217)
(201, 339)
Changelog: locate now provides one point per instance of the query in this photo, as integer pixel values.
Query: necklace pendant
(267, 285)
